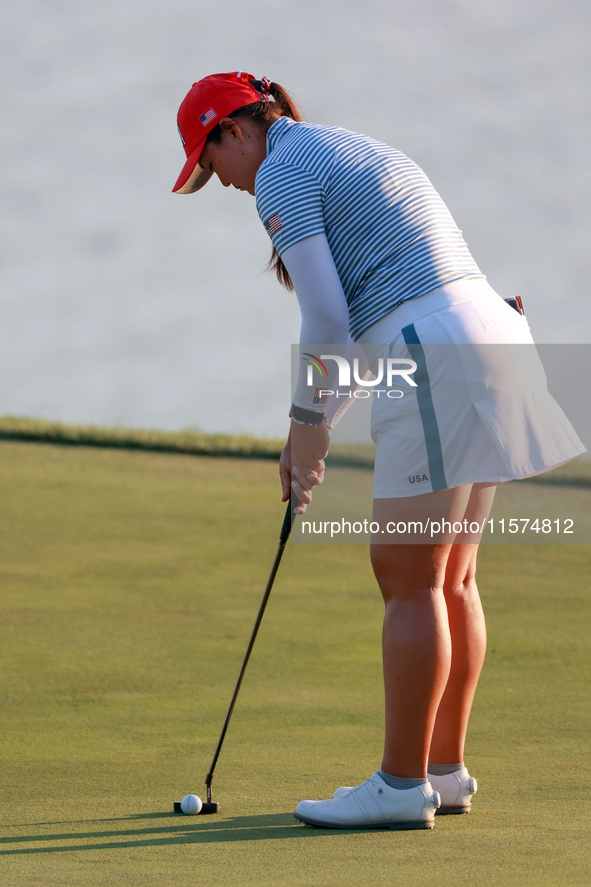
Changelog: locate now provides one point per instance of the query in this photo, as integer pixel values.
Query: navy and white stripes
(391, 236)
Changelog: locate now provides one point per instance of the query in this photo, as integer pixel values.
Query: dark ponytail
(264, 114)
(283, 99)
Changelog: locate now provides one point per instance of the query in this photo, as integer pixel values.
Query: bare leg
(468, 639)
(416, 635)
(416, 651)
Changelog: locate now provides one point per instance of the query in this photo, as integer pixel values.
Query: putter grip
(288, 519)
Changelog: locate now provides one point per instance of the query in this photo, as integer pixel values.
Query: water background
(122, 303)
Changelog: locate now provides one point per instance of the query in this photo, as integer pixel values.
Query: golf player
(379, 265)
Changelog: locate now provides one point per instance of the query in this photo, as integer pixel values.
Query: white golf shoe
(456, 790)
(373, 804)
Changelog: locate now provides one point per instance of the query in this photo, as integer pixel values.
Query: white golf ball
(191, 804)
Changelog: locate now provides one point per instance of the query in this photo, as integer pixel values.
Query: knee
(460, 575)
(459, 589)
(404, 570)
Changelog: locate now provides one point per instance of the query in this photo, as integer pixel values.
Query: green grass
(129, 582)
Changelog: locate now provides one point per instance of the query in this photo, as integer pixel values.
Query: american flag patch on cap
(208, 117)
(274, 224)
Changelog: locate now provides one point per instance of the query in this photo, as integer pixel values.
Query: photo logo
(393, 368)
(314, 362)
(352, 382)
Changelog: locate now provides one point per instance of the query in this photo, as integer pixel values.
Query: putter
(210, 806)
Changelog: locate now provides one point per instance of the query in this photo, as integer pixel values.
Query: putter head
(206, 808)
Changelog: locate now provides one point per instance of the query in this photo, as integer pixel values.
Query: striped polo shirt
(391, 235)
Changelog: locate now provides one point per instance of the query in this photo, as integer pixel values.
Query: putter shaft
(283, 537)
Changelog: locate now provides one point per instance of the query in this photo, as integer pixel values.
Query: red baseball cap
(206, 103)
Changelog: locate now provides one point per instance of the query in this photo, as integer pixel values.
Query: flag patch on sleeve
(320, 395)
(274, 224)
(208, 117)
